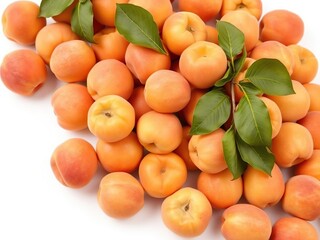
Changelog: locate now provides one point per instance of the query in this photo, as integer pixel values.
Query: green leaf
(227, 77)
(212, 110)
(271, 76)
(138, 26)
(259, 157)
(249, 88)
(232, 157)
(252, 121)
(50, 8)
(82, 20)
(230, 38)
(239, 63)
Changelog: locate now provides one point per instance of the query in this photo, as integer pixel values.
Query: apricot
(188, 111)
(297, 142)
(203, 63)
(206, 9)
(138, 102)
(181, 29)
(275, 115)
(71, 61)
(162, 174)
(276, 50)
(104, 11)
(50, 36)
(142, 61)
(176, 88)
(311, 166)
(212, 34)
(302, 197)
(187, 212)
(120, 195)
(254, 7)
(109, 44)
(20, 22)
(245, 221)
(206, 151)
(220, 188)
(312, 122)
(305, 64)
(159, 9)
(110, 77)
(74, 162)
(23, 71)
(183, 151)
(71, 103)
(282, 26)
(263, 190)
(313, 90)
(159, 133)
(121, 156)
(247, 23)
(111, 118)
(293, 228)
(299, 101)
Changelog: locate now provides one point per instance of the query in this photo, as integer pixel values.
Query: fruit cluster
(139, 104)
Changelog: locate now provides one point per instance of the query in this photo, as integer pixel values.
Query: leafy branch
(248, 139)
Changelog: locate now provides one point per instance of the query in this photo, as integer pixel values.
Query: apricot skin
(23, 71)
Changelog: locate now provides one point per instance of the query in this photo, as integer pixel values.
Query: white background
(34, 205)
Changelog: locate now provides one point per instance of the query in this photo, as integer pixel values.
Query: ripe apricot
(142, 61)
(312, 122)
(176, 88)
(305, 64)
(254, 7)
(109, 44)
(297, 142)
(245, 221)
(120, 195)
(20, 22)
(187, 212)
(188, 111)
(74, 162)
(111, 118)
(181, 29)
(159, 133)
(206, 9)
(276, 50)
(50, 36)
(313, 90)
(302, 197)
(159, 9)
(263, 190)
(247, 23)
(282, 26)
(206, 151)
(162, 174)
(311, 166)
(71, 103)
(121, 156)
(104, 11)
(183, 151)
(71, 61)
(203, 63)
(299, 101)
(23, 71)
(220, 188)
(293, 228)
(110, 77)
(138, 102)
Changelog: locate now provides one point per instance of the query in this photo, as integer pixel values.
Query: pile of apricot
(139, 105)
